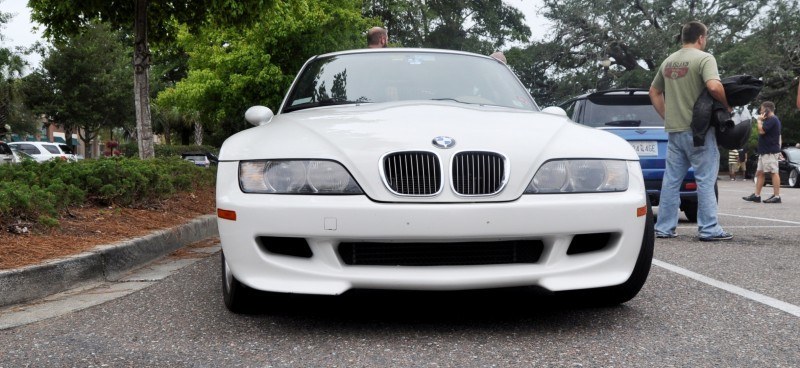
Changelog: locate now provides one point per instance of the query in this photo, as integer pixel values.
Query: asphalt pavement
(720, 304)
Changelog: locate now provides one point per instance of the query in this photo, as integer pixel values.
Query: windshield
(621, 111)
(373, 77)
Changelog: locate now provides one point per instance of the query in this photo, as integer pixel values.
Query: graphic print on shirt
(676, 70)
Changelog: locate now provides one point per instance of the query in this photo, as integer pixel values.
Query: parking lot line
(763, 299)
(760, 218)
(750, 227)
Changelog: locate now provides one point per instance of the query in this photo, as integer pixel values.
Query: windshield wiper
(488, 103)
(451, 99)
(332, 101)
(324, 102)
(625, 123)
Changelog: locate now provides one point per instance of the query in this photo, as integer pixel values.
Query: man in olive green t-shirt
(680, 80)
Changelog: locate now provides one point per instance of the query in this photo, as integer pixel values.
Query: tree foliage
(80, 91)
(481, 26)
(66, 17)
(148, 21)
(231, 69)
(772, 52)
(12, 109)
(755, 37)
(634, 35)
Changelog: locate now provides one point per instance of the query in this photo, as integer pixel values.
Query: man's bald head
(377, 37)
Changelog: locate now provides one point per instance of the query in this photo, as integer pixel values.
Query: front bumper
(326, 221)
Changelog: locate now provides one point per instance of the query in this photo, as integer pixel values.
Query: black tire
(238, 298)
(794, 178)
(615, 295)
(690, 208)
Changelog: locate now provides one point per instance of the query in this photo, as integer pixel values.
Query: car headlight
(296, 177)
(580, 176)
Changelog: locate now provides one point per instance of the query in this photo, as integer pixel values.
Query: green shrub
(33, 192)
(26, 204)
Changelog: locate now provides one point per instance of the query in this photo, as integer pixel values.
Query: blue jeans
(681, 155)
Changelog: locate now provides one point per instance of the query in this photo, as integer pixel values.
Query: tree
(534, 66)
(634, 36)
(148, 21)
(772, 53)
(12, 111)
(80, 91)
(481, 26)
(231, 69)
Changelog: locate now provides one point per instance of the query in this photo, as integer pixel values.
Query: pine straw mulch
(87, 227)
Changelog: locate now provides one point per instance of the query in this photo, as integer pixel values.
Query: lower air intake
(441, 254)
(587, 243)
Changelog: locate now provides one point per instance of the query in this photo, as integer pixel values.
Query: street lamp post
(605, 80)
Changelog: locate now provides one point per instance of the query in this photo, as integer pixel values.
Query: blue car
(629, 114)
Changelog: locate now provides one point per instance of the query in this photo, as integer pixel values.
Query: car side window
(5, 149)
(52, 149)
(29, 149)
(65, 149)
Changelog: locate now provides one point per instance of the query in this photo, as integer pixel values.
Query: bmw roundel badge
(444, 142)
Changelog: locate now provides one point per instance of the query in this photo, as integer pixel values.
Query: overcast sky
(19, 31)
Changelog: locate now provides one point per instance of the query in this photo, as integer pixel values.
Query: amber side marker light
(226, 214)
(641, 211)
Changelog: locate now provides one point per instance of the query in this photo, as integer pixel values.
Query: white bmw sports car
(424, 169)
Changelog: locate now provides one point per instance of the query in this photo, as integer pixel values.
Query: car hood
(358, 136)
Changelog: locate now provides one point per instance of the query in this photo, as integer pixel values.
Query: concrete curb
(105, 262)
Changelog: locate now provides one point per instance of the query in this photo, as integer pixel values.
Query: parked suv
(43, 151)
(629, 114)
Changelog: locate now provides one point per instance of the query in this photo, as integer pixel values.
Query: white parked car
(44, 151)
(424, 169)
(20, 157)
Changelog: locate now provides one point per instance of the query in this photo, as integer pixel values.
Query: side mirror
(555, 110)
(258, 115)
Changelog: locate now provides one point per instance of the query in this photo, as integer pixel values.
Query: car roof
(402, 50)
(610, 92)
(619, 91)
(32, 142)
